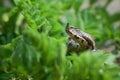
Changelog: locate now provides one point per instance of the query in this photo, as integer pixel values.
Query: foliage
(33, 41)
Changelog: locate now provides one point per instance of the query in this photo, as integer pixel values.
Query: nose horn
(67, 25)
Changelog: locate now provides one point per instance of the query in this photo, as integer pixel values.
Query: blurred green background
(33, 39)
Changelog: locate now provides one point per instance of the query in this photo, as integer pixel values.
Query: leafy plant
(33, 42)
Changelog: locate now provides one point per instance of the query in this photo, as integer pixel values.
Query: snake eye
(82, 41)
(76, 37)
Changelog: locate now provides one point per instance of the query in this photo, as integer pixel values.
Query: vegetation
(33, 41)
